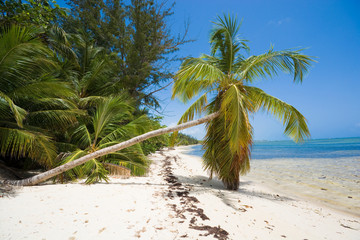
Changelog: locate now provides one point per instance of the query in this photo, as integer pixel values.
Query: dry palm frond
(117, 170)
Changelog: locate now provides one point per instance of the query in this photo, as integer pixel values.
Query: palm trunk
(63, 168)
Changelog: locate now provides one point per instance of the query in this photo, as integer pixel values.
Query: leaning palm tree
(227, 75)
(112, 122)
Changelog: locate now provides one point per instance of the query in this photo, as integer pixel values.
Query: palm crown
(226, 75)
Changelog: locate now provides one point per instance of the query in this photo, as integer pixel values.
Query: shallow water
(326, 171)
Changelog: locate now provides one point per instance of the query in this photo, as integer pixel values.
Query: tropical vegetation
(224, 80)
(67, 92)
(77, 89)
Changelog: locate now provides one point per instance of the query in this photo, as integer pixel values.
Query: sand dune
(175, 201)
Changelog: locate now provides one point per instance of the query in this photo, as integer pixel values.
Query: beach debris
(269, 228)
(187, 203)
(269, 224)
(218, 232)
(345, 226)
(117, 170)
(247, 206)
(101, 230)
(137, 234)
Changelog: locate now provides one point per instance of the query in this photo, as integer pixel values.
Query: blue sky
(329, 97)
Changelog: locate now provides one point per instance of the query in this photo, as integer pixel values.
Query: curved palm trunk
(63, 168)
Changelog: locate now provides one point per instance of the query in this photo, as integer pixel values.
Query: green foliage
(225, 74)
(59, 97)
(153, 144)
(111, 122)
(137, 38)
(184, 139)
(38, 12)
(31, 100)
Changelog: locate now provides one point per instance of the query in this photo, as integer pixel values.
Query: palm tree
(227, 75)
(112, 122)
(32, 99)
(107, 150)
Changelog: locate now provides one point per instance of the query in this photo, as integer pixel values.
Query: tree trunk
(63, 168)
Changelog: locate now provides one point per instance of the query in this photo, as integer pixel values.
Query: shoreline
(297, 187)
(174, 201)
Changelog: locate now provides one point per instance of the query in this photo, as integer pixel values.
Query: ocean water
(326, 171)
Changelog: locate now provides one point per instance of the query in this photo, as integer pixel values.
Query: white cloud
(279, 22)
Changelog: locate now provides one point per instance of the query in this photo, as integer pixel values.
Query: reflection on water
(323, 170)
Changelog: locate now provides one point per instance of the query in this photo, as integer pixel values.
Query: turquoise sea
(326, 170)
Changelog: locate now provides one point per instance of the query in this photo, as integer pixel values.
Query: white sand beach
(175, 201)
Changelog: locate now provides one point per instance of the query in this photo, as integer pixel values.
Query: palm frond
(82, 137)
(224, 41)
(61, 118)
(132, 158)
(45, 89)
(234, 108)
(111, 110)
(194, 76)
(76, 172)
(22, 55)
(198, 107)
(53, 103)
(136, 127)
(95, 76)
(270, 63)
(91, 101)
(18, 113)
(95, 171)
(23, 143)
(294, 122)
(58, 40)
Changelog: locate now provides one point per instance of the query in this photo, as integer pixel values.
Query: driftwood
(117, 170)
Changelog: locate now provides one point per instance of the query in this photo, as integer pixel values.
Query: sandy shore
(175, 201)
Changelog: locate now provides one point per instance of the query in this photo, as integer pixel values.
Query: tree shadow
(201, 184)
(8, 191)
